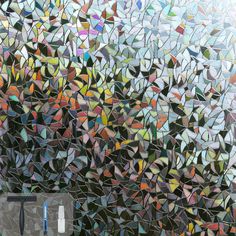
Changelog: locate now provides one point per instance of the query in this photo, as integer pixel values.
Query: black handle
(22, 219)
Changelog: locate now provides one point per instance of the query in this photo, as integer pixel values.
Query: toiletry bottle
(61, 220)
(45, 218)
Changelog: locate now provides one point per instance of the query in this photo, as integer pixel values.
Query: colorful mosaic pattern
(129, 105)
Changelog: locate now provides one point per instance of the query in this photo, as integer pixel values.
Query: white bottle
(61, 220)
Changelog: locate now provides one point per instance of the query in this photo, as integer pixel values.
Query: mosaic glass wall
(129, 105)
